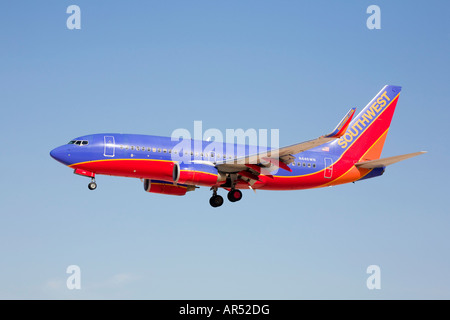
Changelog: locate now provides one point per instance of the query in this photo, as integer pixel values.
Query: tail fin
(365, 135)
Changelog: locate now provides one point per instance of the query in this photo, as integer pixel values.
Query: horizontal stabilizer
(386, 161)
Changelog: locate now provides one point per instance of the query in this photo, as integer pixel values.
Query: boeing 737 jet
(351, 152)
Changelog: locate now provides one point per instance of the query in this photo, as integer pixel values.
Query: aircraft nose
(54, 154)
(60, 154)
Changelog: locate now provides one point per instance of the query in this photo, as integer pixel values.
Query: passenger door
(328, 172)
(109, 150)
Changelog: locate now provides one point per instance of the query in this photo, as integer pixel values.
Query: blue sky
(150, 67)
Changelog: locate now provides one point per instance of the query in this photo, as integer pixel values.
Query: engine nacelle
(197, 174)
(164, 187)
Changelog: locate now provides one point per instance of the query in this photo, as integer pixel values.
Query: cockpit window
(79, 142)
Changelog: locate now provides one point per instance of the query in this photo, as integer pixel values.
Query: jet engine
(197, 174)
(164, 187)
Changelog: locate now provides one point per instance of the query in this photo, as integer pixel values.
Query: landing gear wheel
(92, 185)
(234, 195)
(216, 201)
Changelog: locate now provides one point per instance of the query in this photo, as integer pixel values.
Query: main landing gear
(92, 185)
(234, 195)
(217, 200)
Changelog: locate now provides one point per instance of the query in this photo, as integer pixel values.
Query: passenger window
(224, 156)
(165, 150)
(298, 164)
(137, 148)
(196, 154)
(192, 153)
(154, 149)
(132, 147)
(314, 165)
(309, 165)
(304, 164)
(170, 150)
(121, 146)
(159, 149)
(126, 147)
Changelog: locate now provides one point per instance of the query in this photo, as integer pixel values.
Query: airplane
(351, 152)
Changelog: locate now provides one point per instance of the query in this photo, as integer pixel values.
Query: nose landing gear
(92, 185)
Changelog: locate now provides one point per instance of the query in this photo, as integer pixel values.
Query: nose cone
(61, 154)
(54, 154)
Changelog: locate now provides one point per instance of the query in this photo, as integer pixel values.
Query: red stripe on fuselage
(133, 168)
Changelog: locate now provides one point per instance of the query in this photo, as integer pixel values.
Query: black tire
(92, 186)
(216, 201)
(234, 195)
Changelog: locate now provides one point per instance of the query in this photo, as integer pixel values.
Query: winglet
(342, 126)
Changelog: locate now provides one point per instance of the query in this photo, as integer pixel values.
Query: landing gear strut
(92, 185)
(216, 200)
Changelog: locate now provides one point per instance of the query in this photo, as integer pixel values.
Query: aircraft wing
(283, 156)
(379, 163)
